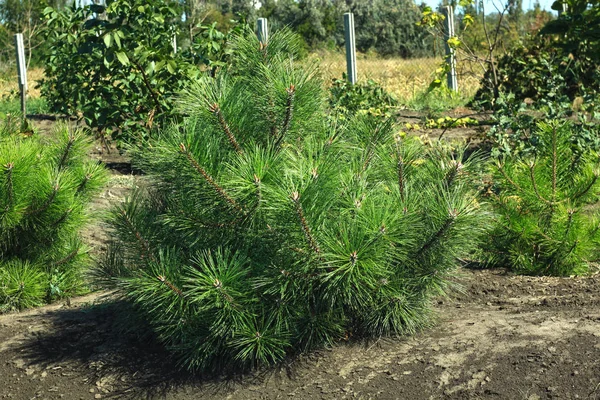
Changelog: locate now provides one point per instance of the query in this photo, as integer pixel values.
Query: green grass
(13, 106)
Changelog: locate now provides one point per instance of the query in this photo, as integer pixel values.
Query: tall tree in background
(389, 27)
(386, 26)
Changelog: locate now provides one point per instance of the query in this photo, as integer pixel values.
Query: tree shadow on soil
(97, 343)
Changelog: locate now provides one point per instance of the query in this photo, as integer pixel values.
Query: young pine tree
(267, 232)
(44, 188)
(546, 214)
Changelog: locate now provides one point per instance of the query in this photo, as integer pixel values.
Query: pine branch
(66, 259)
(145, 246)
(400, 172)
(83, 184)
(271, 117)
(586, 189)
(453, 172)
(174, 288)
(505, 175)
(216, 110)
(570, 213)
(65, 155)
(257, 183)
(289, 111)
(370, 149)
(218, 189)
(534, 184)
(8, 169)
(440, 232)
(47, 203)
(62, 218)
(305, 228)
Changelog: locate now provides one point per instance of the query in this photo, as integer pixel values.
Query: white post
(450, 52)
(22, 70)
(262, 30)
(565, 8)
(350, 47)
(174, 43)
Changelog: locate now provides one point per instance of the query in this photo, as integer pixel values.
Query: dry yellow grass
(405, 78)
(9, 83)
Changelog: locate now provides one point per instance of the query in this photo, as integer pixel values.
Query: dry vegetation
(405, 78)
(9, 84)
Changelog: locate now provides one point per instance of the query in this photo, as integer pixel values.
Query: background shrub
(363, 97)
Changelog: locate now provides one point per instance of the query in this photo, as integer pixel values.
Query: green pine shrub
(44, 188)
(267, 232)
(546, 202)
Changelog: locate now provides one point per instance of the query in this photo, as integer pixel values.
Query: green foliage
(578, 28)
(516, 132)
(546, 207)
(268, 232)
(449, 122)
(363, 97)
(21, 286)
(210, 46)
(562, 60)
(542, 72)
(12, 105)
(117, 70)
(386, 27)
(23, 16)
(44, 189)
(436, 99)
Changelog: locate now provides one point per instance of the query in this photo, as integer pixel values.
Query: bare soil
(501, 337)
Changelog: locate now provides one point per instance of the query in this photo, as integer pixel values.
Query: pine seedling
(267, 232)
(45, 187)
(547, 221)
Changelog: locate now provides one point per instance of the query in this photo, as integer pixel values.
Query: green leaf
(122, 57)
(171, 66)
(117, 38)
(107, 40)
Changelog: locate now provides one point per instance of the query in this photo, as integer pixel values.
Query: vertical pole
(21, 70)
(350, 47)
(262, 30)
(565, 8)
(450, 52)
(174, 43)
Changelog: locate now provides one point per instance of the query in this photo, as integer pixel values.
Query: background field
(407, 79)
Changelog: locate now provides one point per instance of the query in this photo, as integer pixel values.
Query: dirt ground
(501, 337)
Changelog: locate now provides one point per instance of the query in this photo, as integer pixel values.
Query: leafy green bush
(546, 205)
(363, 97)
(542, 72)
(267, 232)
(117, 71)
(44, 190)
